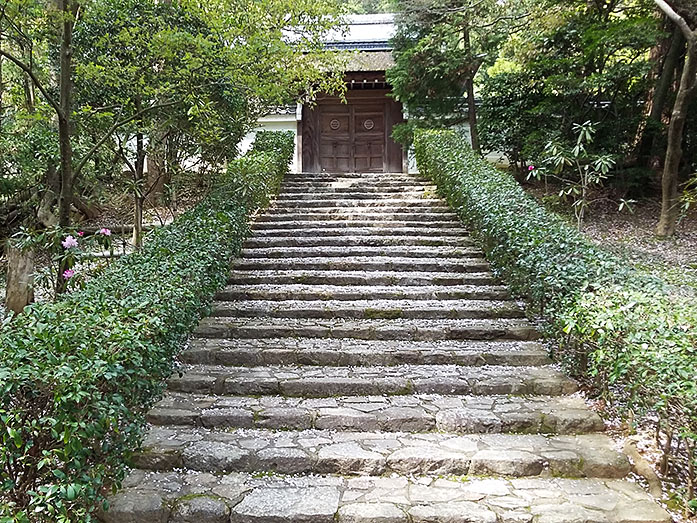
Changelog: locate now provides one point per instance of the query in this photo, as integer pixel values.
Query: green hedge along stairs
(364, 365)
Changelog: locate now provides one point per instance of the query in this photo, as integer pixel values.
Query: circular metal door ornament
(334, 124)
(369, 124)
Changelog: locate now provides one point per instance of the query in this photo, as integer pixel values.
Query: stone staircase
(364, 365)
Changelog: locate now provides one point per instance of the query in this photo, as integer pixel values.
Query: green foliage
(271, 153)
(508, 118)
(77, 376)
(439, 47)
(576, 169)
(274, 141)
(368, 6)
(571, 62)
(634, 335)
(181, 81)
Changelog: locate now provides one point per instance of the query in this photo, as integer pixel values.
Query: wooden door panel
(353, 136)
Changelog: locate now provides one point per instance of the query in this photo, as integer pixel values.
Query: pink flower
(69, 273)
(69, 242)
(531, 167)
(104, 231)
(80, 233)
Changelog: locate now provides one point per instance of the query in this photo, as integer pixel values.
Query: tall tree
(686, 91)
(440, 47)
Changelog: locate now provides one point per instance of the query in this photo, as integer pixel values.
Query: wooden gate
(353, 136)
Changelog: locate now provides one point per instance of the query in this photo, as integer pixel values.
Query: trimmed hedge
(631, 333)
(77, 376)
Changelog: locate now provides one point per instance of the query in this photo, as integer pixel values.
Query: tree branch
(116, 125)
(35, 80)
(676, 18)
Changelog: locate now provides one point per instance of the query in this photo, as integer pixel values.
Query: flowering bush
(77, 376)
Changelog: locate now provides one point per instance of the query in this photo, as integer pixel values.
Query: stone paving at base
(363, 364)
(241, 498)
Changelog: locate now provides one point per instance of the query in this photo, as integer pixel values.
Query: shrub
(632, 334)
(77, 376)
(282, 142)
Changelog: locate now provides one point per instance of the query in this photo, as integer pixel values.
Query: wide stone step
(562, 415)
(351, 241)
(356, 190)
(393, 215)
(418, 226)
(376, 454)
(371, 278)
(338, 352)
(361, 207)
(321, 382)
(369, 309)
(364, 263)
(387, 204)
(356, 292)
(347, 177)
(398, 251)
(366, 231)
(248, 498)
(353, 194)
(413, 330)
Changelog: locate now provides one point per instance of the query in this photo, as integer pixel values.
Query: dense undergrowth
(629, 333)
(77, 376)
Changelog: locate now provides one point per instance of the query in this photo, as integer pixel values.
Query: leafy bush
(631, 333)
(77, 376)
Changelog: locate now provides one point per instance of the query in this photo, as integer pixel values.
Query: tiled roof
(364, 33)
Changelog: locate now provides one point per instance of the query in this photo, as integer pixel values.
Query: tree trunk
(157, 175)
(669, 202)
(139, 175)
(647, 144)
(20, 279)
(472, 115)
(45, 213)
(64, 119)
(471, 105)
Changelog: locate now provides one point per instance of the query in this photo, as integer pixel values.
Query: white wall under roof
(365, 28)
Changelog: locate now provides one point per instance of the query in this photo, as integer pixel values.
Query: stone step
(321, 382)
(359, 207)
(249, 498)
(354, 241)
(356, 189)
(352, 194)
(356, 182)
(411, 330)
(364, 177)
(356, 292)
(364, 263)
(368, 278)
(369, 309)
(411, 251)
(562, 415)
(386, 204)
(323, 215)
(416, 226)
(366, 231)
(377, 454)
(338, 352)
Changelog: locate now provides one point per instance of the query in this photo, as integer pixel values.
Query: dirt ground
(631, 234)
